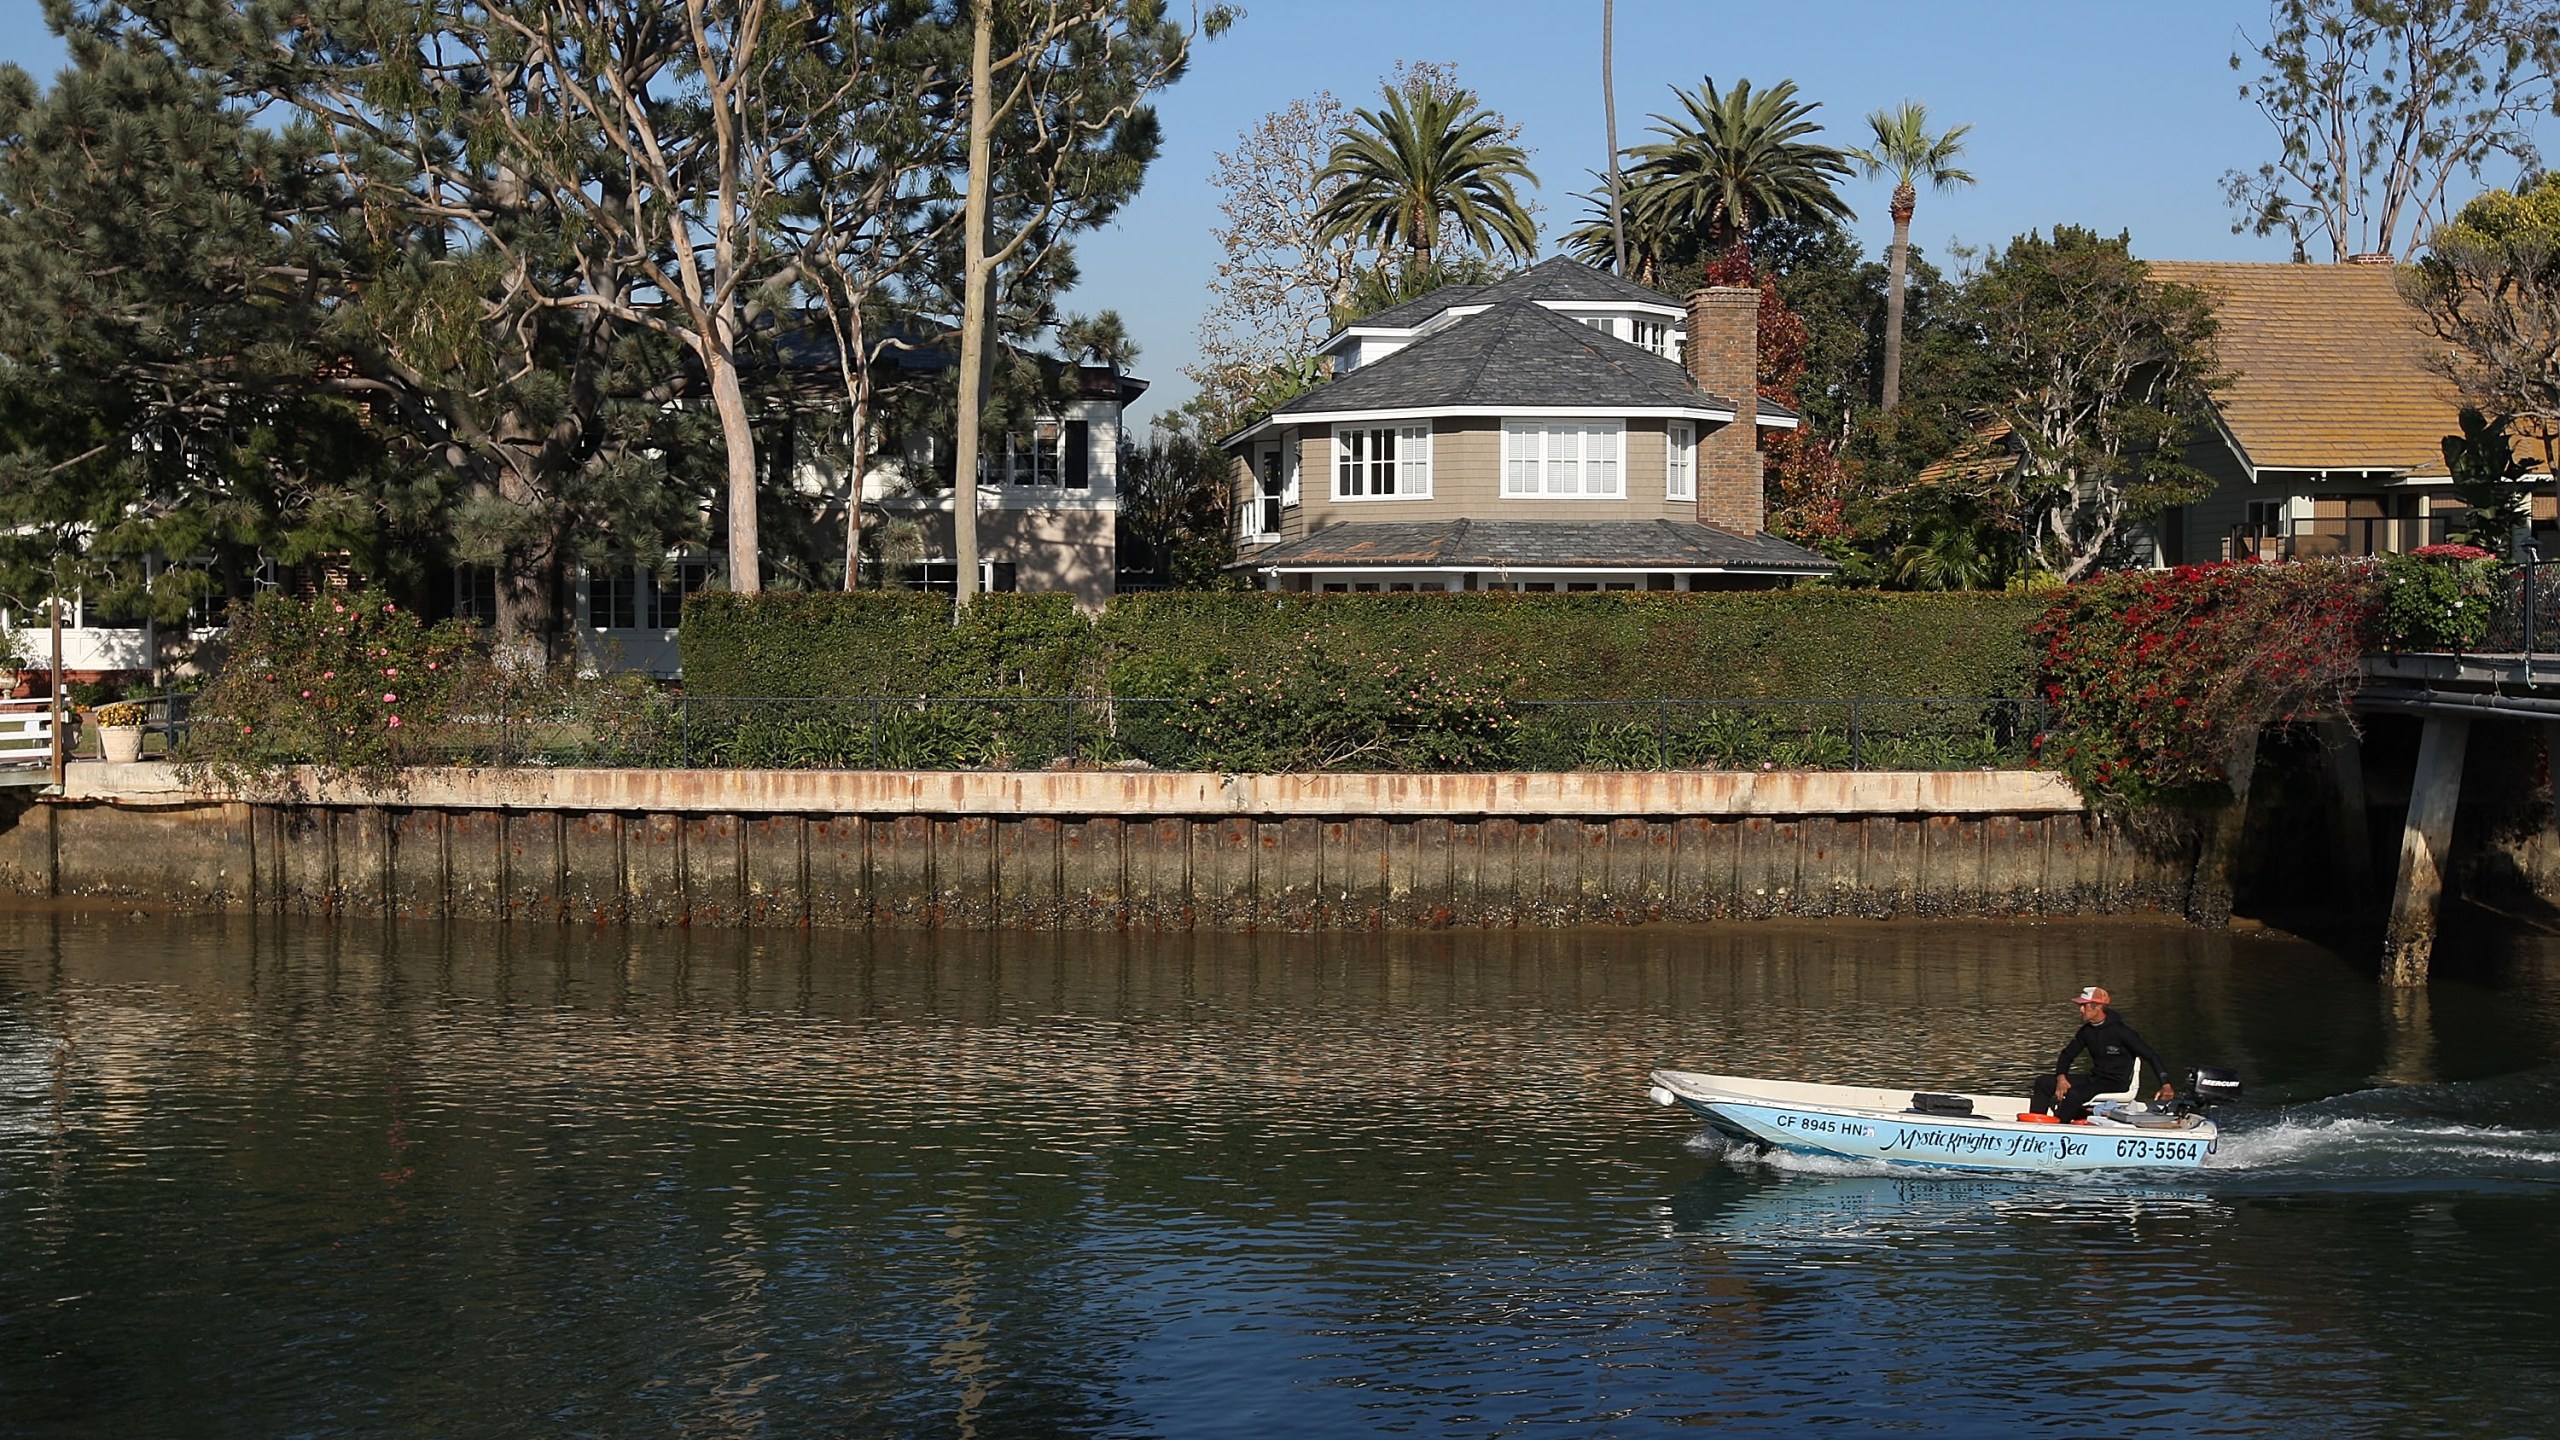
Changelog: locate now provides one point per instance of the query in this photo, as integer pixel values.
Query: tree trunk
(855, 474)
(527, 591)
(737, 434)
(1902, 207)
(973, 320)
(1609, 97)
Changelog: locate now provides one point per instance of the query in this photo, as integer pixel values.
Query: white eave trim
(1521, 412)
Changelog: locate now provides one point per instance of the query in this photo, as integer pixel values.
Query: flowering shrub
(348, 682)
(2161, 680)
(2438, 597)
(122, 715)
(1353, 707)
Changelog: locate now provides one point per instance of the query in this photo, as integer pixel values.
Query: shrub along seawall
(1608, 646)
(1426, 681)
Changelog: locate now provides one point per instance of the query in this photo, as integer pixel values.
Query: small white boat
(1948, 1131)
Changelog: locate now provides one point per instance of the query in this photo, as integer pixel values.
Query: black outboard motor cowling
(2211, 1085)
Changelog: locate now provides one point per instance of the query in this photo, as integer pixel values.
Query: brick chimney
(1723, 356)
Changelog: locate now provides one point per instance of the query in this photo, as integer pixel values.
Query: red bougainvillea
(2161, 680)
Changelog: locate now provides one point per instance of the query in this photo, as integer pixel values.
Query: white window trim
(1260, 455)
(1412, 472)
(1679, 461)
(1612, 427)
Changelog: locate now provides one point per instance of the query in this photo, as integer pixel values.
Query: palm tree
(1429, 155)
(1905, 147)
(1740, 157)
(1609, 97)
(1622, 242)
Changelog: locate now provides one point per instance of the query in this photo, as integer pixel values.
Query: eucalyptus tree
(2489, 286)
(2379, 105)
(468, 305)
(1429, 156)
(1059, 135)
(1733, 159)
(1906, 150)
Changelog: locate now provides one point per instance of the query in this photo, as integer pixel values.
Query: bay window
(1564, 457)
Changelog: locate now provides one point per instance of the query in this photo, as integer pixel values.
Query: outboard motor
(2208, 1086)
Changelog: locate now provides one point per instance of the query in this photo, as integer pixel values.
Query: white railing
(26, 732)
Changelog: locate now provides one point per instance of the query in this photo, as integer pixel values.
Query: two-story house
(1563, 429)
(1048, 507)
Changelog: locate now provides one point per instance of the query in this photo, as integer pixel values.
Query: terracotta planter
(120, 744)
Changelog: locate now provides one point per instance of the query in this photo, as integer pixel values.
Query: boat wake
(2476, 1135)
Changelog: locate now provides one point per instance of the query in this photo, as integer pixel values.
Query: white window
(1653, 335)
(1382, 462)
(1601, 323)
(1289, 488)
(1564, 457)
(1680, 462)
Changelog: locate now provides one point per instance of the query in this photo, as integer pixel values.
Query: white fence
(26, 732)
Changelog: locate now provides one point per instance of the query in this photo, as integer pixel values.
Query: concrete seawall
(1093, 848)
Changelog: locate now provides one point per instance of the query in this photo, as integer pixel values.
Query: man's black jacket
(2112, 1046)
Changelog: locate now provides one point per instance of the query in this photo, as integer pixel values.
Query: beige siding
(1466, 482)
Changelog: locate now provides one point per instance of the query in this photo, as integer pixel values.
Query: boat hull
(1810, 1124)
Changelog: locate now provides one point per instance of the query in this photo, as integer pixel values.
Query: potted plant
(120, 731)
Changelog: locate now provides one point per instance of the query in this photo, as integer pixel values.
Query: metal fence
(1051, 732)
(2527, 618)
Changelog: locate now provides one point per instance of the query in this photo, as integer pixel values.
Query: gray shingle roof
(1541, 544)
(1413, 312)
(1513, 355)
(1565, 278)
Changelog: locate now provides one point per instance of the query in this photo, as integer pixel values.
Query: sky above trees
(2111, 117)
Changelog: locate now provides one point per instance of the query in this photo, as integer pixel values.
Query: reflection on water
(473, 1181)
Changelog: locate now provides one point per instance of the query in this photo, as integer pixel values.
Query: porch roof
(1538, 545)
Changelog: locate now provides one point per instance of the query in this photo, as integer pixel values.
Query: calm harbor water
(310, 1180)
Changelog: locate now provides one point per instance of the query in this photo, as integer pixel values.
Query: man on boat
(2112, 1048)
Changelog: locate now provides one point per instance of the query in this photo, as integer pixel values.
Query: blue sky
(2113, 116)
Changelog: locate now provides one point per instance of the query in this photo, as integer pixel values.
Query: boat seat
(2132, 1091)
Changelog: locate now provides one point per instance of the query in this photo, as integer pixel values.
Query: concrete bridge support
(2434, 792)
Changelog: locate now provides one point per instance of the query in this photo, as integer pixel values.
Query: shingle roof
(1513, 355)
(1413, 312)
(1565, 278)
(1985, 455)
(1541, 544)
(1558, 278)
(2329, 364)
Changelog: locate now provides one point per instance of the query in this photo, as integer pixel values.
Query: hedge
(1641, 645)
(884, 642)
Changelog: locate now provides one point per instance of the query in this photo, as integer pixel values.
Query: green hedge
(1584, 646)
(876, 642)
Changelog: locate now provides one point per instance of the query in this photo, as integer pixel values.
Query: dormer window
(1654, 336)
(1601, 323)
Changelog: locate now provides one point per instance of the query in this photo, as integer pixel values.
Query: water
(472, 1182)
